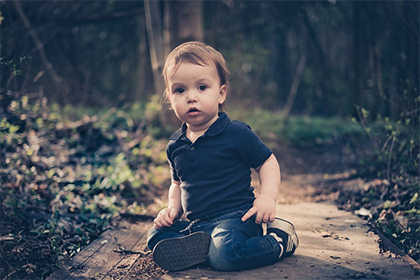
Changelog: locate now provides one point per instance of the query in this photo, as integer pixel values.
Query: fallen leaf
(363, 212)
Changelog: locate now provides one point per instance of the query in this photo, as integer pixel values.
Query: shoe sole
(182, 252)
(287, 227)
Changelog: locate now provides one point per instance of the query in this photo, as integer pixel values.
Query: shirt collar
(217, 127)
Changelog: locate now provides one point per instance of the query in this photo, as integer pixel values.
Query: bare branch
(294, 88)
(58, 80)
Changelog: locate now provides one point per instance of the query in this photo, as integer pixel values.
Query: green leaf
(414, 198)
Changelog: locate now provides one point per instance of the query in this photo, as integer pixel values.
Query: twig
(386, 143)
(388, 170)
(412, 112)
(294, 88)
(363, 122)
(124, 251)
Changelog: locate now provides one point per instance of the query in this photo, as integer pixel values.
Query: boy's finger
(272, 218)
(158, 225)
(167, 221)
(259, 218)
(249, 214)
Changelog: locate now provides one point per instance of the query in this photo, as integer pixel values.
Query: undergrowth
(394, 203)
(65, 175)
(301, 131)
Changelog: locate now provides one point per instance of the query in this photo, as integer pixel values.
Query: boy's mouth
(193, 111)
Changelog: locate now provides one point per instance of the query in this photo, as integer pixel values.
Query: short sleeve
(253, 151)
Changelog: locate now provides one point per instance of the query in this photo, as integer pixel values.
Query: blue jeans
(235, 245)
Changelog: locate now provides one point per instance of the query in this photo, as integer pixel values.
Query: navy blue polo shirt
(214, 171)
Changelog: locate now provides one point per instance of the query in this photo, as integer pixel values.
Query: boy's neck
(194, 135)
(194, 132)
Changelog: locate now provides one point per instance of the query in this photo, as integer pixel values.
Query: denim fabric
(235, 245)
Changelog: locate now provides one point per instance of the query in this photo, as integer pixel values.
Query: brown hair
(196, 53)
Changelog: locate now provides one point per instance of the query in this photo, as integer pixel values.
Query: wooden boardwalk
(111, 256)
(334, 244)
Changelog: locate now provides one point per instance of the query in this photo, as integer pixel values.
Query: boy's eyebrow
(200, 80)
(204, 80)
(175, 85)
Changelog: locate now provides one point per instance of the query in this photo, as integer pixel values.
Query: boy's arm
(167, 216)
(264, 206)
(174, 196)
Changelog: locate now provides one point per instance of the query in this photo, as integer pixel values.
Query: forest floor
(67, 181)
(334, 243)
(316, 176)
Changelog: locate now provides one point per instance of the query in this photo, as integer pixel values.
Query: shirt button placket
(190, 153)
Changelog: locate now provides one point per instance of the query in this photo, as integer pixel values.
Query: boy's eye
(202, 87)
(179, 90)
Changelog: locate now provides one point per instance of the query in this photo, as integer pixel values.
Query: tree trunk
(183, 23)
(155, 35)
(143, 88)
(357, 50)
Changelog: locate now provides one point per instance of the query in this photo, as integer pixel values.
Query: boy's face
(195, 94)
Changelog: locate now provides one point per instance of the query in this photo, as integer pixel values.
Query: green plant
(300, 131)
(14, 65)
(396, 147)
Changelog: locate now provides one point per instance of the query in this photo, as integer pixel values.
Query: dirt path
(334, 244)
(304, 170)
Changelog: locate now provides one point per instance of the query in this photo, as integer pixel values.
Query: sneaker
(182, 252)
(286, 235)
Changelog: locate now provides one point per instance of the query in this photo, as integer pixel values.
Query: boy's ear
(223, 94)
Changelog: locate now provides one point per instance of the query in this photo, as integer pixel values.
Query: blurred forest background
(83, 127)
(330, 55)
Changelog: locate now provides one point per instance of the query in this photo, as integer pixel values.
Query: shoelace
(190, 225)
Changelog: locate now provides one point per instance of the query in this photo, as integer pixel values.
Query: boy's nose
(191, 97)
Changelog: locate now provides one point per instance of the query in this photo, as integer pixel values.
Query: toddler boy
(210, 160)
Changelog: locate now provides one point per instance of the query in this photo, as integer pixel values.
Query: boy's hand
(166, 218)
(264, 209)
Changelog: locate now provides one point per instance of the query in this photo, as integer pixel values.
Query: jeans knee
(218, 263)
(221, 259)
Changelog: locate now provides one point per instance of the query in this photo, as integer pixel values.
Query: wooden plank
(101, 263)
(78, 261)
(137, 248)
(101, 258)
